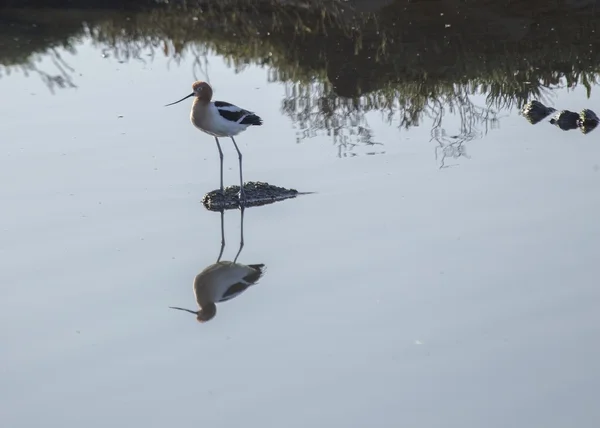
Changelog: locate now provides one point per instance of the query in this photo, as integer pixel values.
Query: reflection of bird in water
(220, 282)
(223, 280)
(219, 119)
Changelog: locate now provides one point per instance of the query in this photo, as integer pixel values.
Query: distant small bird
(219, 119)
(220, 282)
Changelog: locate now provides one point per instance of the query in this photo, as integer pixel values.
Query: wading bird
(219, 119)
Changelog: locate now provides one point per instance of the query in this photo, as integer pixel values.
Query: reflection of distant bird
(220, 282)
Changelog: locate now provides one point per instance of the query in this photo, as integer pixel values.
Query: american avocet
(223, 281)
(219, 119)
(220, 282)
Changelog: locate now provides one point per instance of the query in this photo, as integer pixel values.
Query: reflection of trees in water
(314, 109)
(470, 118)
(409, 83)
(64, 77)
(59, 78)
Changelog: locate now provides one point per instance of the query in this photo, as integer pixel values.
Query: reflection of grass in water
(313, 108)
(61, 80)
(304, 48)
(31, 37)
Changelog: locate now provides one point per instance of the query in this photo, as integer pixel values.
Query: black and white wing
(252, 275)
(236, 114)
(234, 291)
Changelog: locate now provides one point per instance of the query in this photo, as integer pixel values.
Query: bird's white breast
(206, 118)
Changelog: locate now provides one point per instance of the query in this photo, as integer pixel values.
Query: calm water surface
(399, 294)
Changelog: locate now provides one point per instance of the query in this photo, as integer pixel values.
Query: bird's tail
(259, 267)
(252, 119)
(257, 273)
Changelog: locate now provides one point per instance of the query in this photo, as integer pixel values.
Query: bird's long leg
(242, 194)
(221, 157)
(222, 235)
(241, 234)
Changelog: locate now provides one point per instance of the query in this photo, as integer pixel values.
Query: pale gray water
(400, 294)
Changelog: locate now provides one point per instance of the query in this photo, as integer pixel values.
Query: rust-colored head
(207, 312)
(201, 90)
